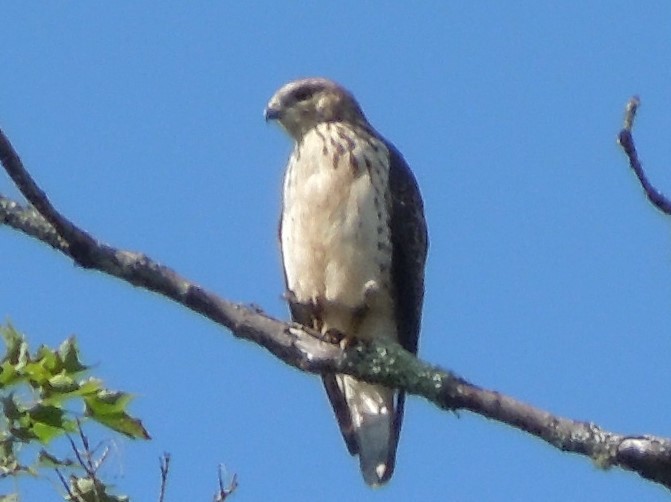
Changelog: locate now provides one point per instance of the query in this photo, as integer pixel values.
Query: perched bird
(354, 243)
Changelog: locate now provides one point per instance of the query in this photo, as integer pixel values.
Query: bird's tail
(370, 418)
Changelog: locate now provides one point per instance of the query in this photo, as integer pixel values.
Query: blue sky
(549, 274)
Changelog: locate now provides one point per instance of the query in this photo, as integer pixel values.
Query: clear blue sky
(549, 275)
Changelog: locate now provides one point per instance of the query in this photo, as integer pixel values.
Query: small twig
(82, 462)
(225, 491)
(626, 141)
(164, 464)
(65, 484)
(87, 450)
(86, 461)
(84, 455)
(630, 112)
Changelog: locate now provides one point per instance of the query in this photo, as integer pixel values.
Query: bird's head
(303, 104)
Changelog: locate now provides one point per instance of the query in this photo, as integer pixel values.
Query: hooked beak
(272, 113)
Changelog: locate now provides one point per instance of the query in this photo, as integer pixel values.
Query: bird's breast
(335, 223)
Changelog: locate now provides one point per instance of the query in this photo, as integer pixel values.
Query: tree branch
(27, 220)
(379, 362)
(626, 141)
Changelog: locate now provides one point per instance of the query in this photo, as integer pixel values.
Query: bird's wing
(409, 239)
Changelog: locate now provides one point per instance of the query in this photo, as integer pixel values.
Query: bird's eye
(303, 94)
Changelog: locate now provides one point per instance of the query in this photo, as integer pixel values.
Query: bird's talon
(347, 342)
(333, 336)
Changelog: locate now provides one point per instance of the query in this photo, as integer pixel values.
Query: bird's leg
(310, 314)
(317, 314)
(371, 291)
(302, 313)
(334, 336)
(328, 335)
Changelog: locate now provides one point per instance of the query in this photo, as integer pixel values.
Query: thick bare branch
(626, 141)
(27, 220)
(385, 363)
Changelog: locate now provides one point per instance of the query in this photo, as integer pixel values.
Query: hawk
(354, 242)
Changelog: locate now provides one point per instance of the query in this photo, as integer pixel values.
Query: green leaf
(62, 384)
(109, 408)
(69, 357)
(92, 490)
(33, 390)
(62, 387)
(15, 358)
(23, 433)
(46, 459)
(89, 386)
(49, 422)
(8, 374)
(120, 422)
(17, 348)
(107, 402)
(51, 415)
(6, 449)
(9, 464)
(11, 407)
(36, 373)
(47, 358)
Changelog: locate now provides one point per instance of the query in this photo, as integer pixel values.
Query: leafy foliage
(34, 391)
